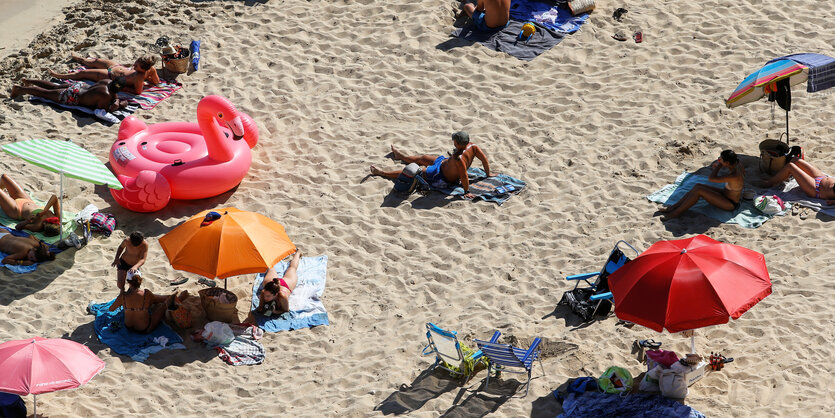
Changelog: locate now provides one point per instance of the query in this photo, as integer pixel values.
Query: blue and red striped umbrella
(760, 82)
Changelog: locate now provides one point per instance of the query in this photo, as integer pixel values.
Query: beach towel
(68, 224)
(639, 405)
(791, 192)
(23, 269)
(242, 351)
(552, 24)
(306, 308)
(489, 189)
(747, 216)
(110, 328)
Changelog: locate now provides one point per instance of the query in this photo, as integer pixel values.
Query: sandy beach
(592, 125)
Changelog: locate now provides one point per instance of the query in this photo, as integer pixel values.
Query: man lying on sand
(23, 251)
(101, 95)
(440, 171)
(142, 71)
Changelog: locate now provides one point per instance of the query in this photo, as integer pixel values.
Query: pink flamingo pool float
(182, 160)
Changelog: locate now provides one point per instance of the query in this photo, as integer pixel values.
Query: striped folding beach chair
(450, 355)
(503, 356)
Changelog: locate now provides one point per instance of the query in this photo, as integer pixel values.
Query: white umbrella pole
(693, 343)
(35, 406)
(61, 208)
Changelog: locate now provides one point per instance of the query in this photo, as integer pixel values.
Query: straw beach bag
(216, 309)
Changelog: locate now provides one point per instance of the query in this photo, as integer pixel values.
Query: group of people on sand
(109, 79)
(814, 183)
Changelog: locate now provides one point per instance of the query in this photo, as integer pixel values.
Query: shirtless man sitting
(101, 95)
(130, 256)
(23, 251)
(142, 71)
(440, 171)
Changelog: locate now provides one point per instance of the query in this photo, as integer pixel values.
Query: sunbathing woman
(811, 180)
(488, 15)
(142, 71)
(16, 204)
(23, 251)
(143, 310)
(726, 198)
(274, 298)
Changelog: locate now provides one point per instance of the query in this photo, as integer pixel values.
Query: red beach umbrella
(40, 365)
(689, 283)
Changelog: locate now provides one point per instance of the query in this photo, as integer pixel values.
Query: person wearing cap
(442, 172)
(101, 95)
(142, 71)
(130, 256)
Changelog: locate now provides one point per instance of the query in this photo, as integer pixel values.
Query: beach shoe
(618, 13)
(650, 344)
(638, 36)
(620, 36)
(207, 282)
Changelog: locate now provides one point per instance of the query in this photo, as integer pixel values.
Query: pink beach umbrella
(40, 365)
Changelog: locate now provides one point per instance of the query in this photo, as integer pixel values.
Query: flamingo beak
(237, 128)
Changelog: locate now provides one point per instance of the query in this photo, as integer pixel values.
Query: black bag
(579, 302)
(410, 180)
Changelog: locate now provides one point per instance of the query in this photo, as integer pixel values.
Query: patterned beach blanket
(596, 404)
(746, 216)
(306, 308)
(791, 192)
(497, 189)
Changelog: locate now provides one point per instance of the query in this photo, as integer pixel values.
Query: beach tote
(769, 205)
(615, 380)
(103, 223)
(409, 180)
(219, 304)
(673, 383)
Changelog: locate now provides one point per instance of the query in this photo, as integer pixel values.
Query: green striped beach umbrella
(65, 158)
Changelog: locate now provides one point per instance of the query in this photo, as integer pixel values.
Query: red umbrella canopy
(39, 365)
(689, 283)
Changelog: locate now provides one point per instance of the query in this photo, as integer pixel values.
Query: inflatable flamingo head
(223, 112)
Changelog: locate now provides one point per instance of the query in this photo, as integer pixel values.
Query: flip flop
(179, 281)
(638, 36)
(619, 36)
(207, 282)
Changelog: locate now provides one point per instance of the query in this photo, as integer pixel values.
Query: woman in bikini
(726, 198)
(488, 15)
(812, 181)
(16, 204)
(274, 298)
(136, 76)
(143, 310)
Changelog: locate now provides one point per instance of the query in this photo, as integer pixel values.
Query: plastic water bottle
(195, 54)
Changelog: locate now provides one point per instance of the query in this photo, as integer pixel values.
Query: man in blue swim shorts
(442, 172)
(100, 95)
(488, 15)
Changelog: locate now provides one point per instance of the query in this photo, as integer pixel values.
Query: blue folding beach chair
(500, 357)
(458, 359)
(595, 299)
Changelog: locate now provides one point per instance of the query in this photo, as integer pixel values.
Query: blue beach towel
(547, 15)
(110, 328)
(23, 269)
(638, 405)
(746, 216)
(490, 189)
(306, 308)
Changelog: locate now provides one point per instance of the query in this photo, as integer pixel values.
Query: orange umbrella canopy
(239, 242)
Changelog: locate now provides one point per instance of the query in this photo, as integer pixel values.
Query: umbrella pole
(693, 343)
(787, 127)
(35, 406)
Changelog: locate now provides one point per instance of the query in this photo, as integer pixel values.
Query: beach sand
(593, 126)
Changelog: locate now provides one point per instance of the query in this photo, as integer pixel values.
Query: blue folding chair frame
(441, 358)
(502, 356)
(609, 267)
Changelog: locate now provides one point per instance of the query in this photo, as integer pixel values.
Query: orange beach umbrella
(236, 242)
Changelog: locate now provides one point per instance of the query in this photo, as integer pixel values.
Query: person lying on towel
(488, 15)
(814, 182)
(16, 204)
(274, 298)
(442, 172)
(144, 310)
(23, 251)
(726, 198)
(136, 76)
(101, 95)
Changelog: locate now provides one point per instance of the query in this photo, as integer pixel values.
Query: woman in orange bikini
(726, 198)
(143, 310)
(274, 298)
(137, 75)
(16, 204)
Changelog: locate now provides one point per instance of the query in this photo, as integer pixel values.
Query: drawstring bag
(103, 223)
(615, 380)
